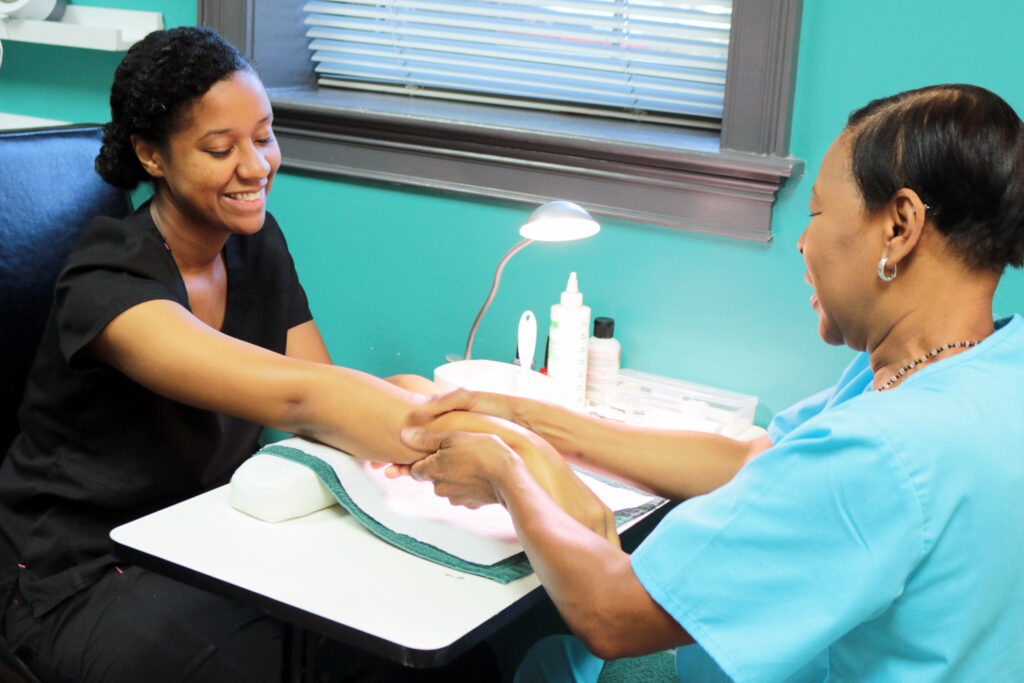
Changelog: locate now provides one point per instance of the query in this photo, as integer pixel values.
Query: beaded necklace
(924, 359)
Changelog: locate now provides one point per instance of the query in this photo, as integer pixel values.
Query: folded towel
(480, 542)
(503, 571)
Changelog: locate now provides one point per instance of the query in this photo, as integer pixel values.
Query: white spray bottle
(567, 351)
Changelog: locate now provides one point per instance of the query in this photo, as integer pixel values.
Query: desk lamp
(38, 10)
(558, 221)
(30, 9)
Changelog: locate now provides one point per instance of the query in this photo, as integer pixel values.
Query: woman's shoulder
(108, 233)
(978, 379)
(970, 403)
(130, 245)
(1008, 334)
(853, 382)
(986, 375)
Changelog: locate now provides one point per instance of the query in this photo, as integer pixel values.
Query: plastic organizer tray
(648, 400)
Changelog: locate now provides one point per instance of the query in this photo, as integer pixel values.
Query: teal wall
(395, 276)
(72, 84)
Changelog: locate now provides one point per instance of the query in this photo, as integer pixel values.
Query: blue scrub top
(877, 540)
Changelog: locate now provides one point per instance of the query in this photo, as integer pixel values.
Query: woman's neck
(924, 334)
(194, 249)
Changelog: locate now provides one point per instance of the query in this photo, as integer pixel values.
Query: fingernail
(412, 433)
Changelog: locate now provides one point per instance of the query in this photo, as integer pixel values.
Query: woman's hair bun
(116, 162)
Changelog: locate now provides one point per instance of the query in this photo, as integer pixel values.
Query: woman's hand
(482, 471)
(464, 466)
(498, 405)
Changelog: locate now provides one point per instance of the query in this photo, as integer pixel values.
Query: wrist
(504, 476)
(521, 411)
(550, 421)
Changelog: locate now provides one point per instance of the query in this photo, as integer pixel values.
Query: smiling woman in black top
(175, 335)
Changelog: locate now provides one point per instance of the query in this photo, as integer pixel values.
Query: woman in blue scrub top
(874, 533)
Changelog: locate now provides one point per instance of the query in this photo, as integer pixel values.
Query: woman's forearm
(354, 412)
(673, 464)
(590, 580)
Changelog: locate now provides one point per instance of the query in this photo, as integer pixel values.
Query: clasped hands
(474, 448)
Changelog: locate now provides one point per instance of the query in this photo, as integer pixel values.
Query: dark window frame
(716, 182)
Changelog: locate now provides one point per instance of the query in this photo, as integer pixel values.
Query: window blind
(653, 60)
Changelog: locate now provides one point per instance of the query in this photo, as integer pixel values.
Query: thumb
(418, 470)
(440, 404)
(422, 439)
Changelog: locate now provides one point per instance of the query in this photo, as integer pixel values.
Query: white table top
(327, 573)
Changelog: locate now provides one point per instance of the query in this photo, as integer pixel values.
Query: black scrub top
(96, 449)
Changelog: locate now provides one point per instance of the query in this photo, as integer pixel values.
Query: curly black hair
(155, 85)
(961, 148)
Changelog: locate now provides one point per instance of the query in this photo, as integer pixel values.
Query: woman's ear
(906, 216)
(149, 156)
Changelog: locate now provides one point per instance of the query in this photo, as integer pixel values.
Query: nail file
(527, 339)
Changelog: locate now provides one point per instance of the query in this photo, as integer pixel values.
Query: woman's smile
(251, 200)
(814, 294)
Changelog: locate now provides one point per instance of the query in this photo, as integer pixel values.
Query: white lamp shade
(29, 9)
(559, 221)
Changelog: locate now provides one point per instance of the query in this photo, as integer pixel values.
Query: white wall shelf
(18, 121)
(94, 28)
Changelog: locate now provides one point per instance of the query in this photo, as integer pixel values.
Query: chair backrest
(49, 191)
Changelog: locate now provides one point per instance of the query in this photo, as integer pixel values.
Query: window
(647, 60)
(698, 152)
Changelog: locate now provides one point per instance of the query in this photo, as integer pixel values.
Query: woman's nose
(253, 163)
(800, 242)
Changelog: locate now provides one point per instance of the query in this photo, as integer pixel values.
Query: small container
(604, 354)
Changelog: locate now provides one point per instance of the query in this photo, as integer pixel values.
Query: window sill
(650, 173)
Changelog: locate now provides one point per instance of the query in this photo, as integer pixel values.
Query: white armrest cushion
(274, 489)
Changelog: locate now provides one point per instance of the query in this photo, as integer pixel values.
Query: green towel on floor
(505, 571)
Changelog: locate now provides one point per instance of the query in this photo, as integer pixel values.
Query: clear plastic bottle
(603, 359)
(567, 350)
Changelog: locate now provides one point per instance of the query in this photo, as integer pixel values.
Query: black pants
(136, 625)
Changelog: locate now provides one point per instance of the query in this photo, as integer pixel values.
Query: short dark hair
(155, 85)
(961, 148)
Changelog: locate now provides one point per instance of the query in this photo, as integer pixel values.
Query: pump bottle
(567, 353)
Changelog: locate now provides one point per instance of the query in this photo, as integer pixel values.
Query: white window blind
(655, 60)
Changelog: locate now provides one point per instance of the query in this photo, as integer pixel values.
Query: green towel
(659, 667)
(505, 571)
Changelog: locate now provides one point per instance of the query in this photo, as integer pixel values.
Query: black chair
(49, 191)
